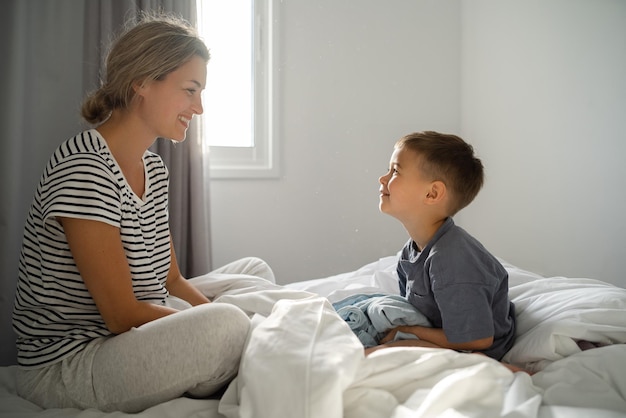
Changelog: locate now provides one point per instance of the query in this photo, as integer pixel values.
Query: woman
(93, 312)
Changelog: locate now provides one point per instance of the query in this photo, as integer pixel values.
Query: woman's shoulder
(84, 156)
(87, 145)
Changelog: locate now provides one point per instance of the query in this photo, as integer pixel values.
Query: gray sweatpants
(195, 351)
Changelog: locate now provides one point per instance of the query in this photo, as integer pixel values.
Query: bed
(302, 360)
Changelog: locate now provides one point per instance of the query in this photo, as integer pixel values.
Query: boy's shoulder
(457, 238)
(458, 247)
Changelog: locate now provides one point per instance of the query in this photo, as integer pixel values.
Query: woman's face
(168, 105)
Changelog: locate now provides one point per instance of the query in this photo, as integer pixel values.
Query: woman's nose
(197, 106)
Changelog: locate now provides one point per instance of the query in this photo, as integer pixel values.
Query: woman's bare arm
(178, 286)
(99, 255)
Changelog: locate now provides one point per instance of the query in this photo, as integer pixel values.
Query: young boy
(445, 272)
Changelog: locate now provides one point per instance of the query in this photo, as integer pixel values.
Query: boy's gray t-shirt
(460, 287)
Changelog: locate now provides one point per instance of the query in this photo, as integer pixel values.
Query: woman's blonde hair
(149, 49)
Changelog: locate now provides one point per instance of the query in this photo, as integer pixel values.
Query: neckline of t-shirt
(139, 200)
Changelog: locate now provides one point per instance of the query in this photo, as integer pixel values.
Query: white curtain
(53, 56)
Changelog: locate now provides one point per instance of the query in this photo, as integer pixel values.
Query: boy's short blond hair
(449, 159)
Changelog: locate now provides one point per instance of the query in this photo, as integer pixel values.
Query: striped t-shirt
(54, 315)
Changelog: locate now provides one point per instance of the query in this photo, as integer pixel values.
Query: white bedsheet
(302, 360)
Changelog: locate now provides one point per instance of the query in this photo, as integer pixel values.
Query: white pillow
(297, 363)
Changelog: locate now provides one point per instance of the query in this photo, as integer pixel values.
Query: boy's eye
(191, 91)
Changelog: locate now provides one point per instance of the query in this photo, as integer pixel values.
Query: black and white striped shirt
(54, 315)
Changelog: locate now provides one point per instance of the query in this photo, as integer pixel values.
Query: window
(239, 121)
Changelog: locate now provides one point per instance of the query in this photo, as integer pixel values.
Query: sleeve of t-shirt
(463, 296)
(465, 312)
(402, 279)
(81, 186)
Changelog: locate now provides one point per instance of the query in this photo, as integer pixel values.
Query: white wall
(355, 76)
(538, 87)
(544, 101)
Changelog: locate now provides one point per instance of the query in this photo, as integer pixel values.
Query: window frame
(262, 159)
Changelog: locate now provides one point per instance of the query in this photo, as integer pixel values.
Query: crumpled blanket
(371, 316)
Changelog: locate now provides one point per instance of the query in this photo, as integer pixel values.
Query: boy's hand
(390, 336)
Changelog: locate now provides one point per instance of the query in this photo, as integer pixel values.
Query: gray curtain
(51, 57)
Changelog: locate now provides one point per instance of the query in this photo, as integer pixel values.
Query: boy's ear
(436, 192)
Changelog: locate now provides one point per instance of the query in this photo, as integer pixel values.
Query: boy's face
(404, 188)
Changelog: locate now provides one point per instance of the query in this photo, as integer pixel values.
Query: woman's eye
(191, 91)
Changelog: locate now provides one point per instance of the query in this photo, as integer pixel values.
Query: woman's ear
(436, 193)
(139, 86)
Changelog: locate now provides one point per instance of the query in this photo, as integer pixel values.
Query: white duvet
(303, 361)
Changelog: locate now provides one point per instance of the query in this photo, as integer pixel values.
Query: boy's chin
(382, 207)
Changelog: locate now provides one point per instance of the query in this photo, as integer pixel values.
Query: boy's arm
(438, 337)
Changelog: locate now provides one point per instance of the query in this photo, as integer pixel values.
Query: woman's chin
(178, 138)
